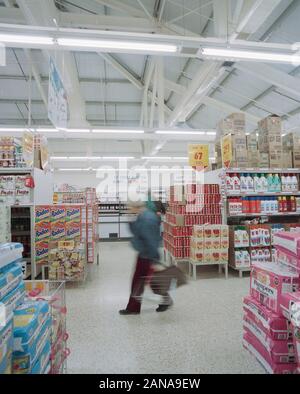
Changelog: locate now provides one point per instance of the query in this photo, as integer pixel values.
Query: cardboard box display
(275, 159)
(251, 140)
(42, 231)
(58, 214)
(296, 158)
(263, 161)
(291, 141)
(287, 159)
(253, 158)
(270, 125)
(269, 143)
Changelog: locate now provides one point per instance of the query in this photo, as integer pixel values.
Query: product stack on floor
(271, 320)
(26, 324)
(189, 205)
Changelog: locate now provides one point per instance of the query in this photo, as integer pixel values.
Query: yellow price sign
(198, 155)
(227, 150)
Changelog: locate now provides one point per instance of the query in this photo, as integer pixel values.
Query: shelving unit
(272, 217)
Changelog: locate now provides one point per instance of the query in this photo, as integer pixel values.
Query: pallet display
(270, 195)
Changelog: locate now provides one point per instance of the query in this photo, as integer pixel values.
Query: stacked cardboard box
(209, 244)
(272, 312)
(269, 140)
(291, 150)
(189, 205)
(252, 149)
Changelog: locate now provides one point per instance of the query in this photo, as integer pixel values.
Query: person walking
(146, 241)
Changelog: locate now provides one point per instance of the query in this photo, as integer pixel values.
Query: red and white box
(273, 325)
(254, 346)
(269, 281)
(285, 257)
(287, 301)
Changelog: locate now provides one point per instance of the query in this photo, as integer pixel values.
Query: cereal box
(58, 231)
(269, 281)
(73, 214)
(41, 251)
(58, 214)
(42, 231)
(73, 230)
(42, 213)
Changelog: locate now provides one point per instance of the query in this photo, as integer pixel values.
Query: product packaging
(42, 231)
(10, 278)
(58, 214)
(42, 214)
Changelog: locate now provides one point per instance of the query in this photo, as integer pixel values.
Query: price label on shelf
(198, 155)
(226, 150)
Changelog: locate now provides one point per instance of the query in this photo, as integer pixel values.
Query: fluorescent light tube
(77, 130)
(211, 133)
(78, 157)
(119, 45)
(187, 132)
(25, 39)
(118, 158)
(235, 54)
(41, 130)
(157, 158)
(59, 158)
(73, 169)
(11, 129)
(116, 131)
(180, 158)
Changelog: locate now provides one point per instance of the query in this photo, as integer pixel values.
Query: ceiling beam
(122, 7)
(227, 109)
(221, 17)
(11, 15)
(271, 75)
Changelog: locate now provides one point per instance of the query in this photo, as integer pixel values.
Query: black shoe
(164, 307)
(126, 312)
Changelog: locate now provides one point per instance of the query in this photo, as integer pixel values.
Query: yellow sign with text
(198, 155)
(226, 150)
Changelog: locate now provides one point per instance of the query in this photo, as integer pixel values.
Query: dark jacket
(146, 235)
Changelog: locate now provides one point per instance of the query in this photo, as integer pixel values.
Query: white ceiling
(109, 97)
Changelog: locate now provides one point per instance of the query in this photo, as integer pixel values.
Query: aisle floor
(202, 333)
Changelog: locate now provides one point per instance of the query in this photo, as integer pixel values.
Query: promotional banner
(57, 98)
(198, 155)
(226, 146)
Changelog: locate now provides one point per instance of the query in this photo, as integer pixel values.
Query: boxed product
(23, 362)
(6, 345)
(13, 299)
(10, 278)
(263, 160)
(287, 159)
(288, 241)
(270, 125)
(296, 158)
(58, 214)
(42, 366)
(286, 258)
(275, 159)
(73, 230)
(273, 325)
(10, 252)
(240, 258)
(42, 214)
(7, 182)
(30, 319)
(281, 352)
(41, 252)
(291, 141)
(58, 231)
(73, 214)
(269, 281)
(254, 346)
(269, 143)
(20, 182)
(22, 197)
(7, 197)
(42, 231)
(253, 158)
(287, 300)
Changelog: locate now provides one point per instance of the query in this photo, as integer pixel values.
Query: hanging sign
(44, 153)
(28, 148)
(57, 98)
(226, 146)
(199, 155)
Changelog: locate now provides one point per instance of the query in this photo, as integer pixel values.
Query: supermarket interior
(150, 152)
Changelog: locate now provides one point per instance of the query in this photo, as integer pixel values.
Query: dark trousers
(143, 270)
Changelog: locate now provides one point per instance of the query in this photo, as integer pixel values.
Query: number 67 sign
(198, 155)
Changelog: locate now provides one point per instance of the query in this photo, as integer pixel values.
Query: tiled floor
(201, 334)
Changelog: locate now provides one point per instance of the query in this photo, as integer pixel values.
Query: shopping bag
(162, 281)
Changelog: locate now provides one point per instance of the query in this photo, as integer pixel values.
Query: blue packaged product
(14, 299)
(42, 366)
(23, 362)
(6, 345)
(29, 319)
(10, 278)
(9, 253)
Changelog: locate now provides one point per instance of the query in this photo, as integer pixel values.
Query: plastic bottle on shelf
(264, 183)
(283, 183)
(284, 204)
(295, 183)
(277, 183)
(256, 183)
(293, 204)
(276, 208)
(250, 183)
(257, 204)
(229, 183)
(252, 205)
(289, 183)
(280, 208)
(243, 183)
(270, 183)
(236, 183)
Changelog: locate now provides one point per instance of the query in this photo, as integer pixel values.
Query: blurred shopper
(146, 241)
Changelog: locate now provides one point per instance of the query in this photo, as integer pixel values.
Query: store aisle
(201, 334)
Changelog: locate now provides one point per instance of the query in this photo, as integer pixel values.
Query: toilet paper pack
(269, 281)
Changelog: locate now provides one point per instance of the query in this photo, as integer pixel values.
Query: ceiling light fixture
(118, 45)
(12, 129)
(116, 131)
(59, 158)
(118, 158)
(25, 39)
(183, 132)
(236, 54)
(77, 130)
(42, 130)
(157, 158)
(73, 169)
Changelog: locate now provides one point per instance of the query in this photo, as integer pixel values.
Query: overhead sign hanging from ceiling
(57, 98)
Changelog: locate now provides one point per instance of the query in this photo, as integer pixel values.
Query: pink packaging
(289, 241)
(269, 281)
(261, 354)
(281, 352)
(277, 327)
(286, 302)
(287, 258)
